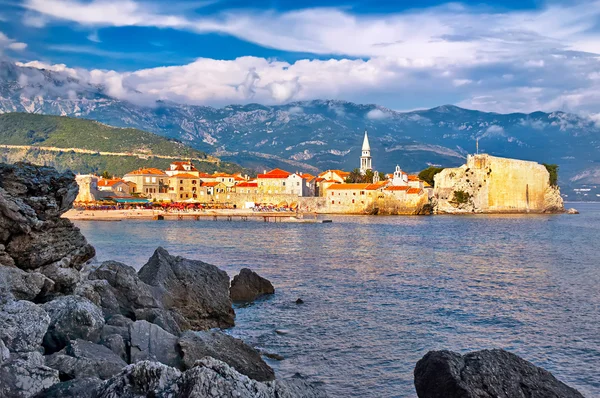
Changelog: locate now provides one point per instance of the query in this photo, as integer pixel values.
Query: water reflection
(379, 292)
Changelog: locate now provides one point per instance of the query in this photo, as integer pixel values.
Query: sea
(380, 292)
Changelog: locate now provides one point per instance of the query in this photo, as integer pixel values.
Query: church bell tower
(365, 159)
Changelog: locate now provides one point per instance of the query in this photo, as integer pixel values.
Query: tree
(428, 174)
(553, 171)
(106, 174)
(356, 177)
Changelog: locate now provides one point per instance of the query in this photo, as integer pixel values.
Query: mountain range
(325, 134)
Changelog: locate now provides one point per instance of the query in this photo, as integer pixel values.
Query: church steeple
(365, 159)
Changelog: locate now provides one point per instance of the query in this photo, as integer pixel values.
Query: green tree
(553, 171)
(461, 197)
(356, 177)
(428, 174)
(106, 174)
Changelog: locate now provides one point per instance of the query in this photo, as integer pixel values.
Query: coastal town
(332, 191)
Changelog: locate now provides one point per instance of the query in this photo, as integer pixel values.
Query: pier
(265, 217)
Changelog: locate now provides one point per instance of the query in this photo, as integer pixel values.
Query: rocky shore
(73, 328)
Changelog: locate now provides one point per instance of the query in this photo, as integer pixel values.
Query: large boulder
(197, 291)
(32, 234)
(483, 374)
(143, 379)
(234, 352)
(248, 286)
(20, 285)
(151, 342)
(22, 326)
(127, 288)
(210, 378)
(71, 318)
(77, 388)
(81, 359)
(25, 375)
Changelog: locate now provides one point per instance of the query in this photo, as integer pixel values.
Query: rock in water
(197, 291)
(71, 318)
(32, 234)
(483, 374)
(81, 359)
(22, 326)
(572, 211)
(248, 286)
(234, 352)
(25, 375)
(209, 378)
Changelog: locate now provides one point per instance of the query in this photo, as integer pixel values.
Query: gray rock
(101, 293)
(127, 288)
(197, 291)
(22, 285)
(234, 352)
(572, 211)
(143, 379)
(84, 359)
(210, 378)
(25, 375)
(32, 234)
(151, 342)
(23, 326)
(248, 286)
(71, 318)
(117, 345)
(171, 321)
(78, 388)
(4, 353)
(487, 373)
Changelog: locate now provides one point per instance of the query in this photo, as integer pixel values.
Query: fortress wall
(495, 184)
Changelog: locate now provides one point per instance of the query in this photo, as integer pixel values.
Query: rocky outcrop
(234, 352)
(487, 373)
(22, 285)
(83, 359)
(71, 318)
(248, 286)
(76, 388)
(22, 326)
(196, 291)
(151, 342)
(25, 375)
(32, 234)
(209, 378)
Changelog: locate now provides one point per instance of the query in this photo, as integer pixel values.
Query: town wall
(495, 185)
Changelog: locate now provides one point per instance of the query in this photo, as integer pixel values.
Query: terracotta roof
(276, 173)
(147, 171)
(108, 182)
(414, 190)
(319, 179)
(181, 164)
(222, 175)
(340, 173)
(247, 185)
(205, 175)
(210, 184)
(366, 187)
(397, 188)
(413, 178)
(184, 175)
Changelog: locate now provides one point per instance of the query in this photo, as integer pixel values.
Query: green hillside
(64, 132)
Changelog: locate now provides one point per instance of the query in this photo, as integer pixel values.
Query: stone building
(182, 168)
(183, 187)
(353, 198)
(149, 182)
(273, 182)
(489, 184)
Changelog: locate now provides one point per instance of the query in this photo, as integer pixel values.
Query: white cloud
(6, 43)
(461, 82)
(94, 37)
(493, 131)
(17, 46)
(377, 114)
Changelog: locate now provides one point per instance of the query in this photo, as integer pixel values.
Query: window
(333, 202)
(283, 183)
(153, 179)
(180, 196)
(147, 179)
(181, 181)
(181, 188)
(333, 193)
(352, 200)
(298, 184)
(362, 192)
(193, 181)
(187, 196)
(354, 193)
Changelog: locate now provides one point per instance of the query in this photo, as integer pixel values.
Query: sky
(501, 56)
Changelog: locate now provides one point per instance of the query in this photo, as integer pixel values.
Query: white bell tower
(365, 159)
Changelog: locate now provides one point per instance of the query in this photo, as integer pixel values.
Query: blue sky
(500, 56)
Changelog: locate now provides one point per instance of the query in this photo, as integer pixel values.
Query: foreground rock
(209, 378)
(482, 374)
(33, 237)
(237, 354)
(25, 375)
(248, 286)
(22, 326)
(82, 359)
(151, 342)
(196, 291)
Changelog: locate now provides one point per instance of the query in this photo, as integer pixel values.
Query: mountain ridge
(324, 134)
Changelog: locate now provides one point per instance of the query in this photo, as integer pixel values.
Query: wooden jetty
(266, 217)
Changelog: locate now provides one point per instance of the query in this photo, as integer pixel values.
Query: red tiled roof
(340, 173)
(319, 179)
(364, 186)
(184, 175)
(247, 185)
(205, 175)
(148, 171)
(179, 166)
(276, 173)
(413, 178)
(397, 188)
(414, 190)
(210, 184)
(108, 182)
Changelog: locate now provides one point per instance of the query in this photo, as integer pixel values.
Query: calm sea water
(380, 292)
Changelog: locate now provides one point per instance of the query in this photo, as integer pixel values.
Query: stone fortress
(489, 184)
